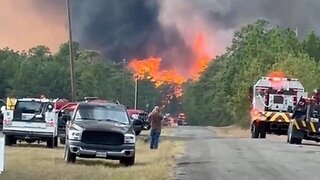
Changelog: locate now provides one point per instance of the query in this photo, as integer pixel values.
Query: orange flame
(150, 67)
(202, 57)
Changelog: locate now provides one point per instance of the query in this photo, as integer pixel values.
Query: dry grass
(231, 132)
(38, 162)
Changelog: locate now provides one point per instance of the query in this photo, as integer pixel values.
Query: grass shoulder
(37, 162)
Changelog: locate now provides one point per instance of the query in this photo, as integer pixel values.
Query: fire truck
(305, 122)
(31, 120)
(273, 102)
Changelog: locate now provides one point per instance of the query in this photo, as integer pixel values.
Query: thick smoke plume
(167, 28)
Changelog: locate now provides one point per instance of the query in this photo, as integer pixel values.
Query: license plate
(101, 154)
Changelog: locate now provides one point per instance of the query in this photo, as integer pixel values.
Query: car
(99, 130)
(139, 119)
(182, 120)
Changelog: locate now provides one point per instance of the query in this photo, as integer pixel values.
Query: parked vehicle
(139, 119)
(30, 120)
(98, 130)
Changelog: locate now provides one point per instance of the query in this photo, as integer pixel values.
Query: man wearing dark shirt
(156, 125)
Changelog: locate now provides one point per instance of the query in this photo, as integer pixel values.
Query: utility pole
(123, 79)
(136, 92)
(72, 75)
(296, 30)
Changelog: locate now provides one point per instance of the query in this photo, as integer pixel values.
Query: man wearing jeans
(156, 125)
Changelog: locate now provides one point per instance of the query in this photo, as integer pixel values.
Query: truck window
(278, 99)
(102, 113)
(28, 106)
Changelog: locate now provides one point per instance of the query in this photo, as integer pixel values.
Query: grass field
(38, 162)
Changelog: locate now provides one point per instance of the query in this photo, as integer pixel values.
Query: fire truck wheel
(255, 130)
(263, 131)
(298, 141)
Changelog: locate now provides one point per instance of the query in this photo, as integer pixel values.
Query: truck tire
(51, 142)
(137, 132)
(255, 131)
(62, 140)
(128, 161)
(9, 140)
(291, 139)
(263, 131)
(55, 141)
(69, 157)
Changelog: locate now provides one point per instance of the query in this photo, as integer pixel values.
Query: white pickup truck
(31, 120)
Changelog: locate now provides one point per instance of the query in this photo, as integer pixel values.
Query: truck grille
(102, 137)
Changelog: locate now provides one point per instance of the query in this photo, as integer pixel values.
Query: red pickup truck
(140, 120)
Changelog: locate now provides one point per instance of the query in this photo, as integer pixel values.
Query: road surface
(209, 158)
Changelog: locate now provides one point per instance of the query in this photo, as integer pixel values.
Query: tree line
(39, 72)
(220, 97)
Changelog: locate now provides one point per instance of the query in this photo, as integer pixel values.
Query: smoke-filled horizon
(168, 28)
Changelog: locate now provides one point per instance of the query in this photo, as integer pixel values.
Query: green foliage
(220, 97)
(41, 72)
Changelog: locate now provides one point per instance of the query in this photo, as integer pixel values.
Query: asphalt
(208, 157)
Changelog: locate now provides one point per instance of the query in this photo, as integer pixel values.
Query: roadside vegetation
(48, 74)
(30, 162)
(220, 97)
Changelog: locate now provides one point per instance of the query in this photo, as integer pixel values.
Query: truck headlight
(129, 138)
(74, 134)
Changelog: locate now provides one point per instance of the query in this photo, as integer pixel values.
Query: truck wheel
(255, 131)
(298, 141)
(55, 139)
(263, 131)
(291, 139)
(9, 140)
(137, 132)
(128, 161)
(62, 140)
(69, 157)
(50, 143)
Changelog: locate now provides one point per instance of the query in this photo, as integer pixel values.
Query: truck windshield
(102, 113)
(28, 106)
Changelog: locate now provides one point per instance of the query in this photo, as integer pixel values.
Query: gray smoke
(142, 28)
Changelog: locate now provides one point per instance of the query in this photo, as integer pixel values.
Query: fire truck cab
(30, 120)
(273, 102)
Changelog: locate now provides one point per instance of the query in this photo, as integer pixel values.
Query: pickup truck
(140, 120)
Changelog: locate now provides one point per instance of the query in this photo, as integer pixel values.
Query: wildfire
(202, 56)
(150, 68)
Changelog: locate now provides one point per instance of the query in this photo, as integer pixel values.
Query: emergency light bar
(279, 79)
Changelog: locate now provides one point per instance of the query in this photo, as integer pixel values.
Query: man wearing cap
(156, 125)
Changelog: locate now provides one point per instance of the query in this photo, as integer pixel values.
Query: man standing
(156, 125)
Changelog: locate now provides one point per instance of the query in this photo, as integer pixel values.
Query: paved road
(210, 158)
